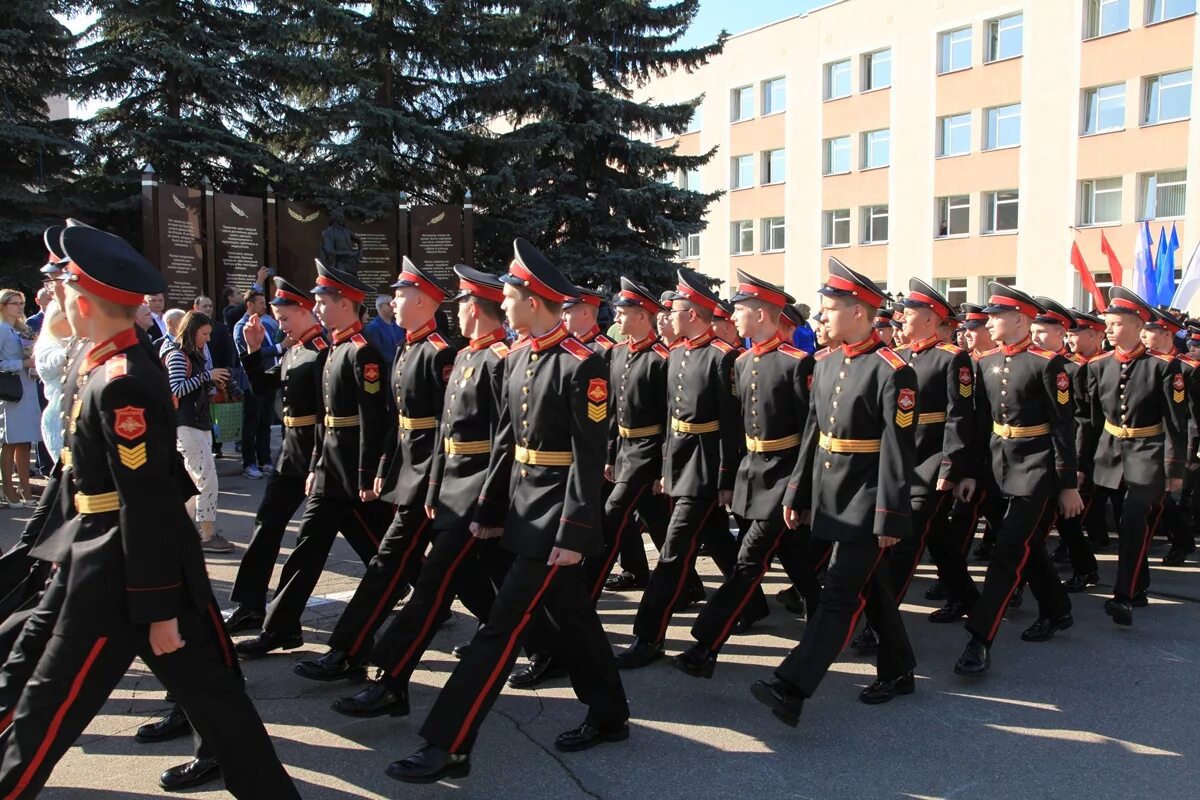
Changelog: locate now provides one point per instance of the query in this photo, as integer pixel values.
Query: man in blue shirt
(383, 332)
(258, 410)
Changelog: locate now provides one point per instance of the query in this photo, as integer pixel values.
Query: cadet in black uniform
(137, 584)
(580, 314)
(419, 377)
(542, 493)
(1024, 399)
(352, 423)
(857, 460)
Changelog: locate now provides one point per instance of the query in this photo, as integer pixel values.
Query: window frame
(1150, 12)
(735, 167)
(1147, 83)
(767, 89)
(829, 79)
(993, 39)
(768, 228)
(735, 103)
(1086, 109)
(1099, 5)
(827, 160)
(944, 207)
(689, 247)
(869, 62)
(737, 229)
(1087, 201)
(945, 50)
(766, 174)
(695, 122)
(1143, 193)
(868, 149)
(870, 217)
(942, 139)
(987, 126)
(830, 219)
(988, 222)
(949, 292)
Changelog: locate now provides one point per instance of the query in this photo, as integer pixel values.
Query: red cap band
(760, 293)
(1129, 305)
(481, 290)
(690, 294)
(103, 290)
(348, 292)
(721, 313)
(424, 286)
(866, 295)
(644, 302)
(976, 317)
(1059, 318)
(298, 299)
(518, 271)
(1013, 305)
(587, 299)
(938, 306)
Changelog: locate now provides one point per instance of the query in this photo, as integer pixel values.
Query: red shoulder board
(724, 347)
(438, 342)
(893, 360)
(359, 340)
(518, 344)
(949, 348)
(500, 349)
(1100, 356)
(1162, 357)
(319, 343)
(662, 351)
(820, 354)
(604, 341)
(1041, 351)
(789, 350)
(116, 367)
(576, 348)
(1078, 359)
(1191, 362)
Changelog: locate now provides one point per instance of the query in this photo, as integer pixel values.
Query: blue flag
(1164, 270)
(1143, 267)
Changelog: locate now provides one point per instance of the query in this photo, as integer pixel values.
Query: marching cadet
(700, 459)
(137, 583)
(853, 475)
(542, 494)
(772, 380)
(883, 324)
(419, 377)
(723, 327)
(347, 446)
(580, 314)
(458, 564)
(1024, 397)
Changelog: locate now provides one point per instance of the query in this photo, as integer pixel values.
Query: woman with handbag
(20, 417)
(50, 361)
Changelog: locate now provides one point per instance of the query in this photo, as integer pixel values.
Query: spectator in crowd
(157, 303)
(383, 332)
(191, 383)
(144, 319)
(805, 337)
(220, 345)
(43, 298)
(50, 361)
(172, 319)
(257, 409)
(45, 461)
(20, 420)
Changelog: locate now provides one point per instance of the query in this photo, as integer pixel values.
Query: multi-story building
(952, 140)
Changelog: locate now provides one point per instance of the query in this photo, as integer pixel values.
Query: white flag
(1190, 281)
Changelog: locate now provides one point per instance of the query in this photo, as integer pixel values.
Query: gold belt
(299, 422)
(418, 423)
(932, 418)
(832, 445)
(695, 427)
(65, 457)
(1020, 431)
(341, 422)
(772, 445)
(1125, 432)
(638, 433)
(97, 503)
(544, 458)
(454, 448)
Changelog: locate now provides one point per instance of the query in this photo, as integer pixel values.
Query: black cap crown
(108, 266)
(531, 269)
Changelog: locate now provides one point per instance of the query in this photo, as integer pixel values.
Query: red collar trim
(344, 335)
(865, 346)
(552, 338)
(765, 347)
(699, 341)
(591, 333)
(488, 339)
(1019, 347)
(412, 337)
(644, 344)
(1125, 356)
(924, 344)
(105, 350)
(310, 334)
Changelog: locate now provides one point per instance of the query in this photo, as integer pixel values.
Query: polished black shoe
(951, 612)
(790, 599)
(976, 659)
(333, 666)
(1080, 582)
(697, 661)
(1140, 600)
(374, 701)
(866, 640)
(1120, 611)
(1045, 627)
(537, 671)
(244, 618)
(983, 552)
(691, 596)
(881, 691)
(587, 736)
(1061, 555)
(624, 581)
(193, 773)
(429, 765)
(265, 643)
(746, 622)
(937, 591)
(172, 726)
(460, 650)
(1177, 556)
(1018, 598)
(639, 654)
(785, 703)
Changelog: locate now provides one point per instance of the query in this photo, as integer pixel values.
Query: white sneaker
(253, 471)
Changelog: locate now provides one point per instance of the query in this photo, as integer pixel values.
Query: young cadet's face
(518, 310)
(1158, 340)
(1122, 329)
(408, 302)
(1050, 337)
(1004, 326)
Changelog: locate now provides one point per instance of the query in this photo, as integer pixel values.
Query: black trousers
(853, 580)
(258, 412)
(468, 695)
(392, 568)
(715, 621)
(651, 515)
(1096, 523)
(622, 534)
(1020, 556)
(949, 544)
(458, 565)
(1141, 509)
(323, 517)
(1071, 532)
(1179, 512)
(903, 558)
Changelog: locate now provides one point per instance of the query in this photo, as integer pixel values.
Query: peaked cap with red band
(1054, 313)
(288, 294)
(634, 295)
(1086, 320)
(533, 271)
(1006, 298)
(589, 297)
(1165, 320)
(56, 259)
(724, 310)
(973, 316)
(336, 281)
(752, 288)
(108, 267)
(473, 283)
(1123, 301)
(922, 295)
(792, 315)
(845, 282)
(417, 278)
(693, 288)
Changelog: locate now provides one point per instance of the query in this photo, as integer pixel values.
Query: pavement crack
(570, 773)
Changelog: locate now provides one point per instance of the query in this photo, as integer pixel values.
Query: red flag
(1085, 276)
(1114, 266)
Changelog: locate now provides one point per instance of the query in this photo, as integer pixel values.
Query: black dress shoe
(460, 650)
(172, 726)
(267, 642)
(1140, 600)
(951, 612)
(374, 701)
(587, 736)
(790, 599)
(1080, 582)
(429, 765)
(691, 596)
(881, 691)
(866, 640)
(1120, 611)
(244, 618)
(937, 591)
(639, 654)
(624, 581)
(193, 773)
(697, 661)
(1018, 598)
(785, 703)
(537, 671)
(746, 622)
(1045, 627)
(1061, 555)
(976, 659)
(333, 666)
(1177, 556)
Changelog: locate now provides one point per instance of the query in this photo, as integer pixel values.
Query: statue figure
(340, 247)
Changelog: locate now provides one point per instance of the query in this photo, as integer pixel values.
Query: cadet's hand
(1174, 484)
(608, 472)
(367, 495)
(564, 558)
(378, 486)
(164, 637)
(965, 489)
(430, 512)
(657, 488)
(254, 333)
(806, 518)
(725, 497)
(484, 531)
(791, 518)
(1070, 504)
(944, 485)
(308, 482)
(887, 541)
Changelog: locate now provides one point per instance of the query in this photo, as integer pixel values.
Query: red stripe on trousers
(683, 573)
(912, 569)
(222, 636)
(366, 528)
(6, 721)
(980, 496)
(383, 599)
(737, 612)
(1137, 567)
(862, 599)
(433, 609)
(1019, 571)
(616, 547)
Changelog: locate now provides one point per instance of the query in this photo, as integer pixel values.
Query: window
(954, 50)
(875, 224)
(877, 70)
(953, 289)
(954, 135)
(1104, 108)
(742, 237)
(691, 180)
(741, 172)
(1003, 127)
(1163, 10)
(1105, 17)
(772, 234)
(837, 155)
(1000, 211)
(837, 227)
(1005, 37)
(741, 103)
(1100, 201)
(774, 166)
(1168, 97)
(689, 246)
(876, 149)
(837, 79)
(1103, 281)
(693, 123)
(774, 96)
(954, 215)
(1162, 194)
